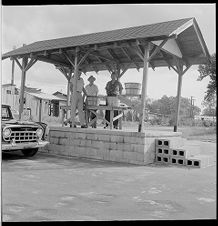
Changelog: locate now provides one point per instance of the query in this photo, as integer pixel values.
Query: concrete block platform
(110, 145)
(188, 154)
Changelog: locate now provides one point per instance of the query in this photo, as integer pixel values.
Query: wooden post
(40, 110)
(144, 88)
(12, 74)
(73, 95)
(111, 118)
(179, 87)
(23, 79)
(68, 94)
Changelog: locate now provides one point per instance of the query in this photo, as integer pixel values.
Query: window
(56, 108)
(53, 108)
(6, 113)
(8, 91)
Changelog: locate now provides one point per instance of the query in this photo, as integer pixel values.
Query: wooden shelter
(176, 44)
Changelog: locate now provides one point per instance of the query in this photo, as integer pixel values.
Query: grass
(190, 133)
(199, 133)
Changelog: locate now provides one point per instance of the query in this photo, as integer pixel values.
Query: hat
(91, 77)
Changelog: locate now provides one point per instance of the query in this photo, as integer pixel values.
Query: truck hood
(14, 122)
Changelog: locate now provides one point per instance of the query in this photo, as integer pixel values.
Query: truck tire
(29, 152)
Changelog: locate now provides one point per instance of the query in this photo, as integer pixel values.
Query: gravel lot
(53, 188)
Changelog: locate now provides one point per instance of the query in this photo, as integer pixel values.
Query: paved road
(51, 188)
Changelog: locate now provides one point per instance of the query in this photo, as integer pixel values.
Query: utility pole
(192, 107)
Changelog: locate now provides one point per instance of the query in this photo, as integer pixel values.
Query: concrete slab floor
(54, 188)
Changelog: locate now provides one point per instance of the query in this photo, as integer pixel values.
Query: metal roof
(45, 96)
(115, 46)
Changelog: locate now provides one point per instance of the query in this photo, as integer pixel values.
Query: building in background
(42, 106)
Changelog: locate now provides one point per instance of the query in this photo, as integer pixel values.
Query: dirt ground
(53, 188)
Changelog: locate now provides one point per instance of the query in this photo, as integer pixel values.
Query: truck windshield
(6, 113)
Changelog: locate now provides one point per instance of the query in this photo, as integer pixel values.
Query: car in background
(21, 135)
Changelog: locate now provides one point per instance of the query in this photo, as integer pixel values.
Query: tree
(167, 106)
(210, 107)
(206, 70)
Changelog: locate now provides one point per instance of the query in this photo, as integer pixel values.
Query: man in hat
(91, 90)
(113, 88)
(79, 98)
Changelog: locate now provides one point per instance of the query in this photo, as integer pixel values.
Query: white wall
(31, 102)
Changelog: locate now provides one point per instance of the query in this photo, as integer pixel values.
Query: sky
(28, 24)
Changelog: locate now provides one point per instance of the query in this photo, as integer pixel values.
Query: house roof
(8, 84)
(45, 96)
(32, 90)
(113, 47)
(59, 93)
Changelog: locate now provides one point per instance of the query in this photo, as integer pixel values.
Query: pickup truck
(25, 136)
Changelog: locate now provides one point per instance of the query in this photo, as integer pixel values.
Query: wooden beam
(84, 57)
(68, 58)
(101, 61)
(30, 64)
(186, 69)
(178, 98)
(142, 54)
(124, 70)
(68, 91)
(144, 87)
(103, 57)
(12, 73)
(181, 72)
(157, 49)
(127, 55)
(113, 55)
(49, 60)
(18, 63)
(73, 95)
(22, 86)
(119, 45)
(138, 52)
(153, 49)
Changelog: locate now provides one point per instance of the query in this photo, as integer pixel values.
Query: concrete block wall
(184, 155)
(108, 145)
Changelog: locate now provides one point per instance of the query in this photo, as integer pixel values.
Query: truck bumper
(14, 146)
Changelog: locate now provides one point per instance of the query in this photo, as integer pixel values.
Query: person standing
(113, 88)
(79, 98)
(92, 90)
